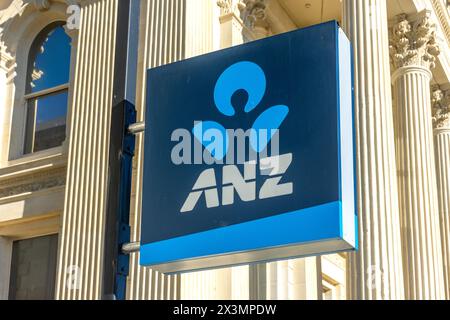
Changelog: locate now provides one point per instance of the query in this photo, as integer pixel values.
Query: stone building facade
(52, 194)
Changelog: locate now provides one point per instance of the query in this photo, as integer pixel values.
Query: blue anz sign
(249, 154)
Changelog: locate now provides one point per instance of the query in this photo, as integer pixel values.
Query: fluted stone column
(375, 271)
(220, 21)
(413, 51)
(294, 279)
(162, 40)
(441, 119)
(241, 21)
(203, 18)
(170, 31)
(79, 273)
(303, 279)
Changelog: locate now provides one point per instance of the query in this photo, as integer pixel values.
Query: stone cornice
(441, 108)
(442, 12)
(37, 183)
(22, 167)
(414, 43)
(33, 175)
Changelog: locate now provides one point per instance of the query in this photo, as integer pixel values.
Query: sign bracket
(121, 152)
(136, 128)
(131, 247)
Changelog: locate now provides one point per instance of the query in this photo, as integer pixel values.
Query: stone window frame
(33, 96)
(18, 36)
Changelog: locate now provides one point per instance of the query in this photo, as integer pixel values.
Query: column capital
(226, 6)
(440, 101)
(413, 43)
(366, 24)
(253, 13)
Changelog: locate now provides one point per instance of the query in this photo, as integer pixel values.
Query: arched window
(47, 89)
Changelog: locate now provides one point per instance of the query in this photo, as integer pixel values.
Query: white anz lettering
(275, 166)
(245, 186)
(206, 183)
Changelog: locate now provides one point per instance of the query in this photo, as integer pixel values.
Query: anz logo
(249, 77)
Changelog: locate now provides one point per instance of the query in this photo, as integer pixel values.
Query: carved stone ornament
(226, 6)
(414, 43)
(41, 5)
(253, 13)
(6, 61)
(441, 108)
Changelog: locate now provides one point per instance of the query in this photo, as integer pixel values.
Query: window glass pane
(48, 129)
(33, 268)
(49, 60)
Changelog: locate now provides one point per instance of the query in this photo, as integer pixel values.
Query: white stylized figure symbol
(247, 76)
(250, 77)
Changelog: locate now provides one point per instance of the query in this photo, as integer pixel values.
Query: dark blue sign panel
(249, 154)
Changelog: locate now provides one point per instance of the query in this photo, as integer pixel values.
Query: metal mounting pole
(131, 247)
(136, 127)
(121, 152)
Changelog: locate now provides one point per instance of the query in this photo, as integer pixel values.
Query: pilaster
(79, 273)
